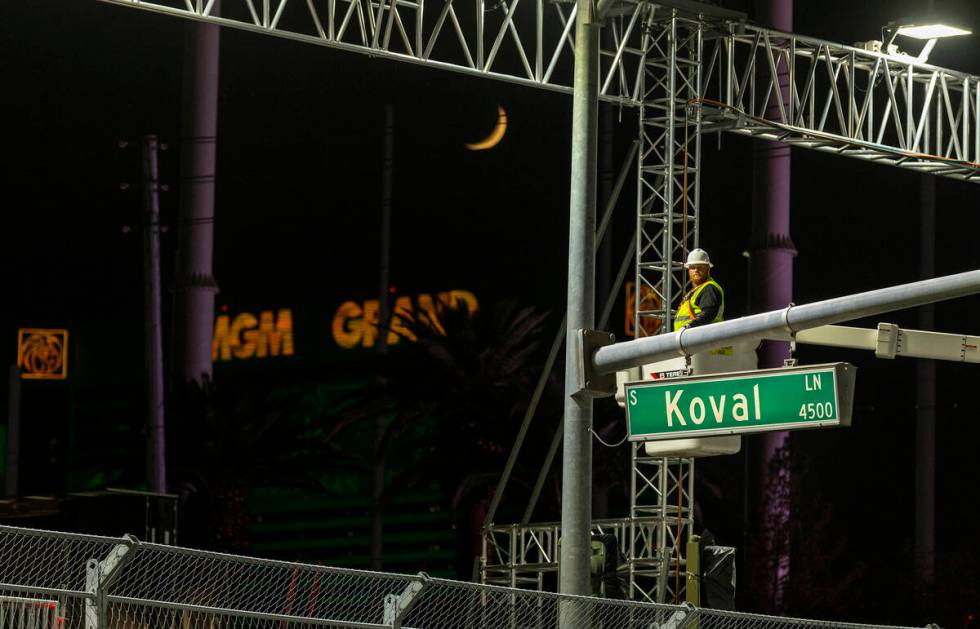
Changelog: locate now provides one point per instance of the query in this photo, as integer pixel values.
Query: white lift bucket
(738, 357)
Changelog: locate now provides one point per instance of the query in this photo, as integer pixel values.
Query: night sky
(299, 171)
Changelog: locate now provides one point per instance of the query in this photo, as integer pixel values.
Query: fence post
(693, 588)
(397, 606)
(99, 575)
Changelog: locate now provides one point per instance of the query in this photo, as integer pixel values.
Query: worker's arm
(710, 303)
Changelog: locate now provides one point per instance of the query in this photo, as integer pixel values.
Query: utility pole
(576, 491)
(12, 469)
(384, 324)
(156, 463)
(772, 253)
(196, 286)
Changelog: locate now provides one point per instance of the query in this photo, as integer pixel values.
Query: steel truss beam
(520, 555)
(884, 108)
(652, 539)
(873, 106)
(529, 42)
(667, 227)
(662, 493)
(668, 193)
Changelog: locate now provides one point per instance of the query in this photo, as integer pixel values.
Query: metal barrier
(52, 580)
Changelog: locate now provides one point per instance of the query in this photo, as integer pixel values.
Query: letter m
(275, 336)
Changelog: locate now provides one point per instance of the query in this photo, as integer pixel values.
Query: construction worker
(705, 303)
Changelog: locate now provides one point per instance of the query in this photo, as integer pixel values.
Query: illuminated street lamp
(930, 30)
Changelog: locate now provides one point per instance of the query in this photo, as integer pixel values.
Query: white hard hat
(698, 256)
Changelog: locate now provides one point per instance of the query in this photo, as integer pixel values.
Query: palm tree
(453, 400)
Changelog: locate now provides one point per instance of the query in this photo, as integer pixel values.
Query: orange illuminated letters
(247, 336)
(356, 325)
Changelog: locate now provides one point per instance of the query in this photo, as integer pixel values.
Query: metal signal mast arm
(889, 341)
(790, 320)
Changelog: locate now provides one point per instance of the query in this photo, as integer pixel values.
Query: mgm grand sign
(271, 333)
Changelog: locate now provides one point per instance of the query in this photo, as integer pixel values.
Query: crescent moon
(495, 136)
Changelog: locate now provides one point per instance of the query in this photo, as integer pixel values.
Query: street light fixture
(930, 30)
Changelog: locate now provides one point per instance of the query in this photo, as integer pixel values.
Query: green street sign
(788, 398)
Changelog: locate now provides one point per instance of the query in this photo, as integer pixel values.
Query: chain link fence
(54, 580)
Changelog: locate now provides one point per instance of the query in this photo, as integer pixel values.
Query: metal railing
(52, 580)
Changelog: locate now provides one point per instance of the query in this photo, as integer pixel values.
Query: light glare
(932, 31)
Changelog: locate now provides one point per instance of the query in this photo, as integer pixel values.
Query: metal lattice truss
(662, 492)
(529, 42)
(669, 165)
(685, 73)
(652, 539)
(886, 108)
(520, 555)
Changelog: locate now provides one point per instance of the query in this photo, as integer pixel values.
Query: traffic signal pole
(576, 503)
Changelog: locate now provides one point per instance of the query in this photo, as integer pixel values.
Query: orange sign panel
(649, 301)
(42, 354)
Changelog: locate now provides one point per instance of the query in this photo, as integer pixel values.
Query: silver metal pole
(577, 451)
(156, 463)
(790, 320)
(12, 469)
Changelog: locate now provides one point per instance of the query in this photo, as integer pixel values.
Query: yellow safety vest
(690, 309)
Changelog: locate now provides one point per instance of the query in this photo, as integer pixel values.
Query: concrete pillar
(196, 286)
(772, 254)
